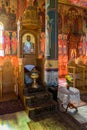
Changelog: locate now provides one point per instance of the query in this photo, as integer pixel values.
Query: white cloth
(29, 67)
(71, 95)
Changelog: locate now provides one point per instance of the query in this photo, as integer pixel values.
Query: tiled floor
(15, 121)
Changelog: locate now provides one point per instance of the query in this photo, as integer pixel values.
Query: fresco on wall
(62, 54)
(85, 20)
(72, 19)
(8, 14)
(59, 23)
(42, 45)
(10, 43)
(41, 14)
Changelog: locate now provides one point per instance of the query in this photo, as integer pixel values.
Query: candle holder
(34, 76)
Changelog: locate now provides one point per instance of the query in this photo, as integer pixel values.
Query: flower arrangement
(69, 80)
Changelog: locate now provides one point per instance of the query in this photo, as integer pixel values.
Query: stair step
(38, 98)
(42, 109)
(39, 94)
(43, 104)
(27, 91)
(46, 104)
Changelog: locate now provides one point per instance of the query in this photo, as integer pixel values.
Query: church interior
(43, 64)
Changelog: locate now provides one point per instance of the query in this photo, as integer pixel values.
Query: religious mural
(82, 47)
(85, 20)
(73, 22)
(10, 43)
(59, 23)
(42, 45)
(70, 18)
(41, 14)
(62, 54)
(8, 14)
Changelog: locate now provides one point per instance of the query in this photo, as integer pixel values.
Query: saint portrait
(28, 41)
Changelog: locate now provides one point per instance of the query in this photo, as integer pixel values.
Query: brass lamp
(34, 76)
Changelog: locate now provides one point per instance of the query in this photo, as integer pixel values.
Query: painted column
(51, 47)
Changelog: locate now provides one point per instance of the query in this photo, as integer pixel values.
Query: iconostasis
(10, 12)
(72, 26)
(72, 35)
(10, 71)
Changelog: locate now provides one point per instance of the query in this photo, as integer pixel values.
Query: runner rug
(12, 106)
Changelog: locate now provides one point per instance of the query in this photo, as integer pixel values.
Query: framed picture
(28, 44)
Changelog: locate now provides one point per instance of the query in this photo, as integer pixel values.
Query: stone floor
(20, 120)
(14, 121)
